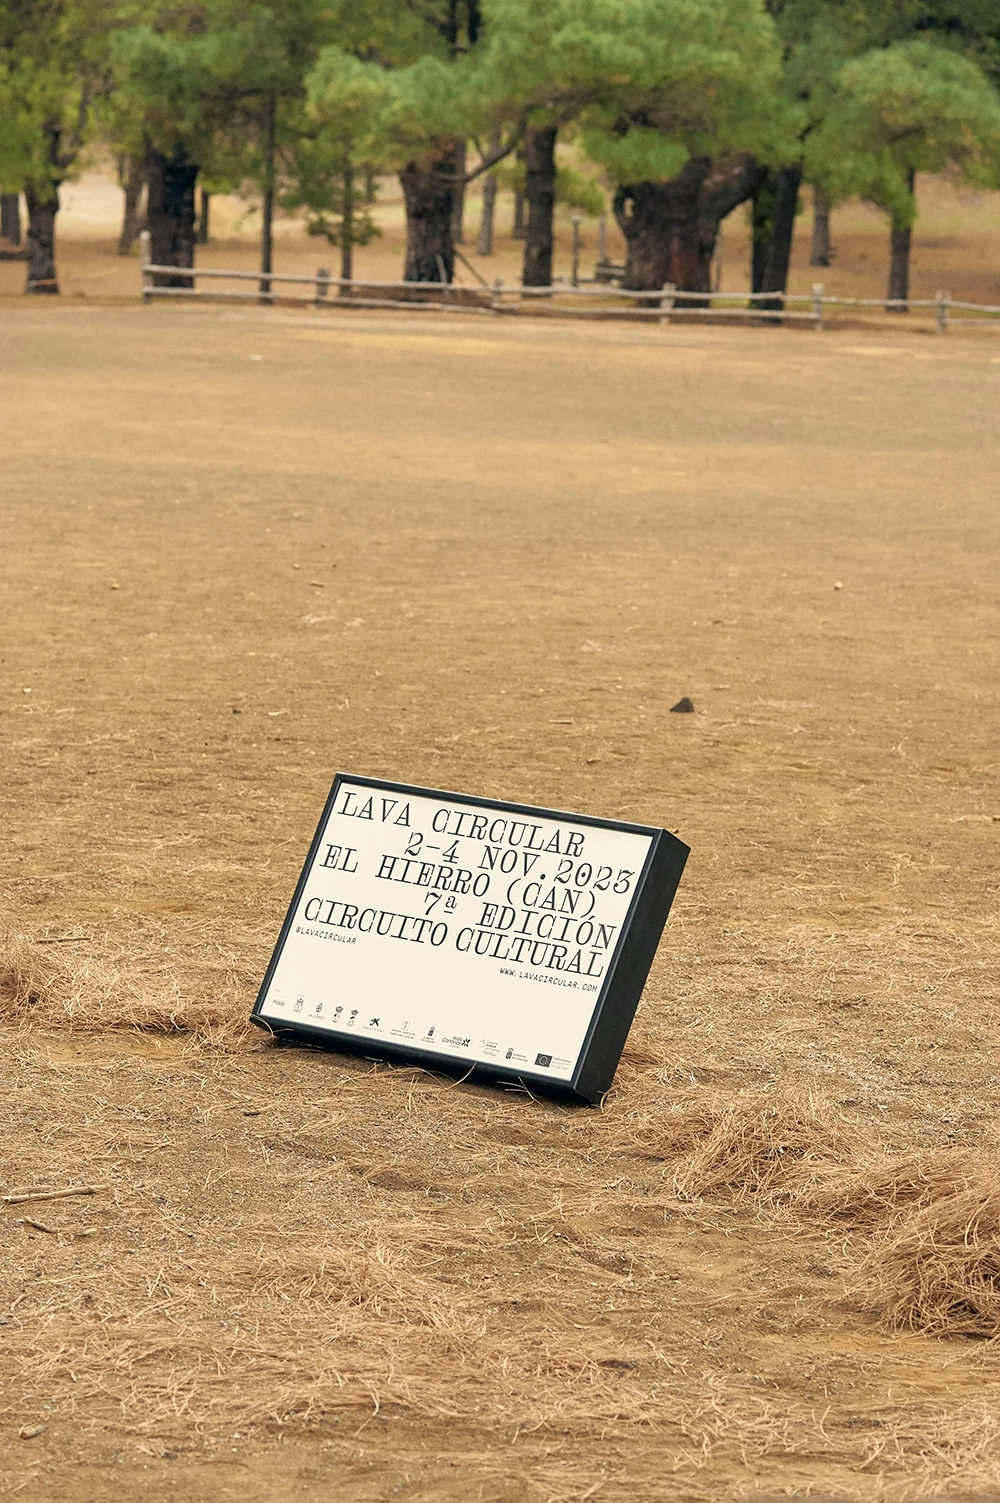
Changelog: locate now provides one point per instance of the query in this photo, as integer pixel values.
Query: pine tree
(822, 41)
(911, 107)
(650, 89)
(346, 139)
(433, 103)
(54, 66)
(428, 49)
(216, 87)
(817, 38)
(685, 154)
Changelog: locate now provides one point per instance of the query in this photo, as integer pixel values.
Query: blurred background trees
(674, 112)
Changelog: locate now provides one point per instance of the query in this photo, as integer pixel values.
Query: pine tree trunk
(347, 231)
(518, 232)
(170, 211)
(429, 188)
(132, 176)
(267, 208)
(726, 187)
(778, 255)
(458, 201)
(540, 161)
(661, 229)
(899, 264)
(762, 228)
(485, 245)
(821, 230)
(899, 268)
(10, 218)
(203, 218)
(43, 206)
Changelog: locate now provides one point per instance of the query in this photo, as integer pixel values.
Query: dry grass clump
(931, 1218)
(44, 985)
(377, 1280)
(936, 1268)
(933, 1263)
(666, 1132)
(958, 1446)
(865, 1196)
(32, 981)
(221, 1338)
(756, 1142)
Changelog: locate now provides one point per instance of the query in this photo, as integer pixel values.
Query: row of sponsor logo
(353, 1019)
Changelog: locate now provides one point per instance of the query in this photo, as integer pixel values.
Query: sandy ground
(955, 247)
(242, 550)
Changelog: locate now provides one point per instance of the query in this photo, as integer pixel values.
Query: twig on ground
(23, 1196)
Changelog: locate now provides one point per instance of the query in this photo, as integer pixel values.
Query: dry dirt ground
(242, 550)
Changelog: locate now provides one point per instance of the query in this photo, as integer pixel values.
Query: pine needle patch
(43, 985)
(757, 1143)
(865, 1196)
(33, 982)
(936, 1267)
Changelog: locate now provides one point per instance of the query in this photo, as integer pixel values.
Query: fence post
(818, 304)
(575, 277)
(941, 310)
(145, 256)
(322, 284)
(668, 301)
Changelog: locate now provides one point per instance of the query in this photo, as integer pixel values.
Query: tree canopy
(680, 106)
(54, 68)
(911, 107)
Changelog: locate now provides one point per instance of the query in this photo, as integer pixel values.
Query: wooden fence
(561, 300)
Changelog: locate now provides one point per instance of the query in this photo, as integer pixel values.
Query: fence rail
(561, 300)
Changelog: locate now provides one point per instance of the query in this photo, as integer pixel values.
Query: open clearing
(243, 550)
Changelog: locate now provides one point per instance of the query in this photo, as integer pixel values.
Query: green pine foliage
(345, 138)
(647, 82)
(207, 77)
(914, 106)
(54, 71)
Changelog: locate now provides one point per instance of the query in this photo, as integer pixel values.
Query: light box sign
(463, 932)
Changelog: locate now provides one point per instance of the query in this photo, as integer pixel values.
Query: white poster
(459, 928)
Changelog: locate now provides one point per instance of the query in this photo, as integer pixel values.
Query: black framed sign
(456, 931)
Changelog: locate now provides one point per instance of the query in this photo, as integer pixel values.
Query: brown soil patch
(244, 549)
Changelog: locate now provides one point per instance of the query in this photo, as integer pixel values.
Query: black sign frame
(617, 998)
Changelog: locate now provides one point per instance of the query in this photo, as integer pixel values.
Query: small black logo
(543, 1059)
(509, 1054)
(375, 1023)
